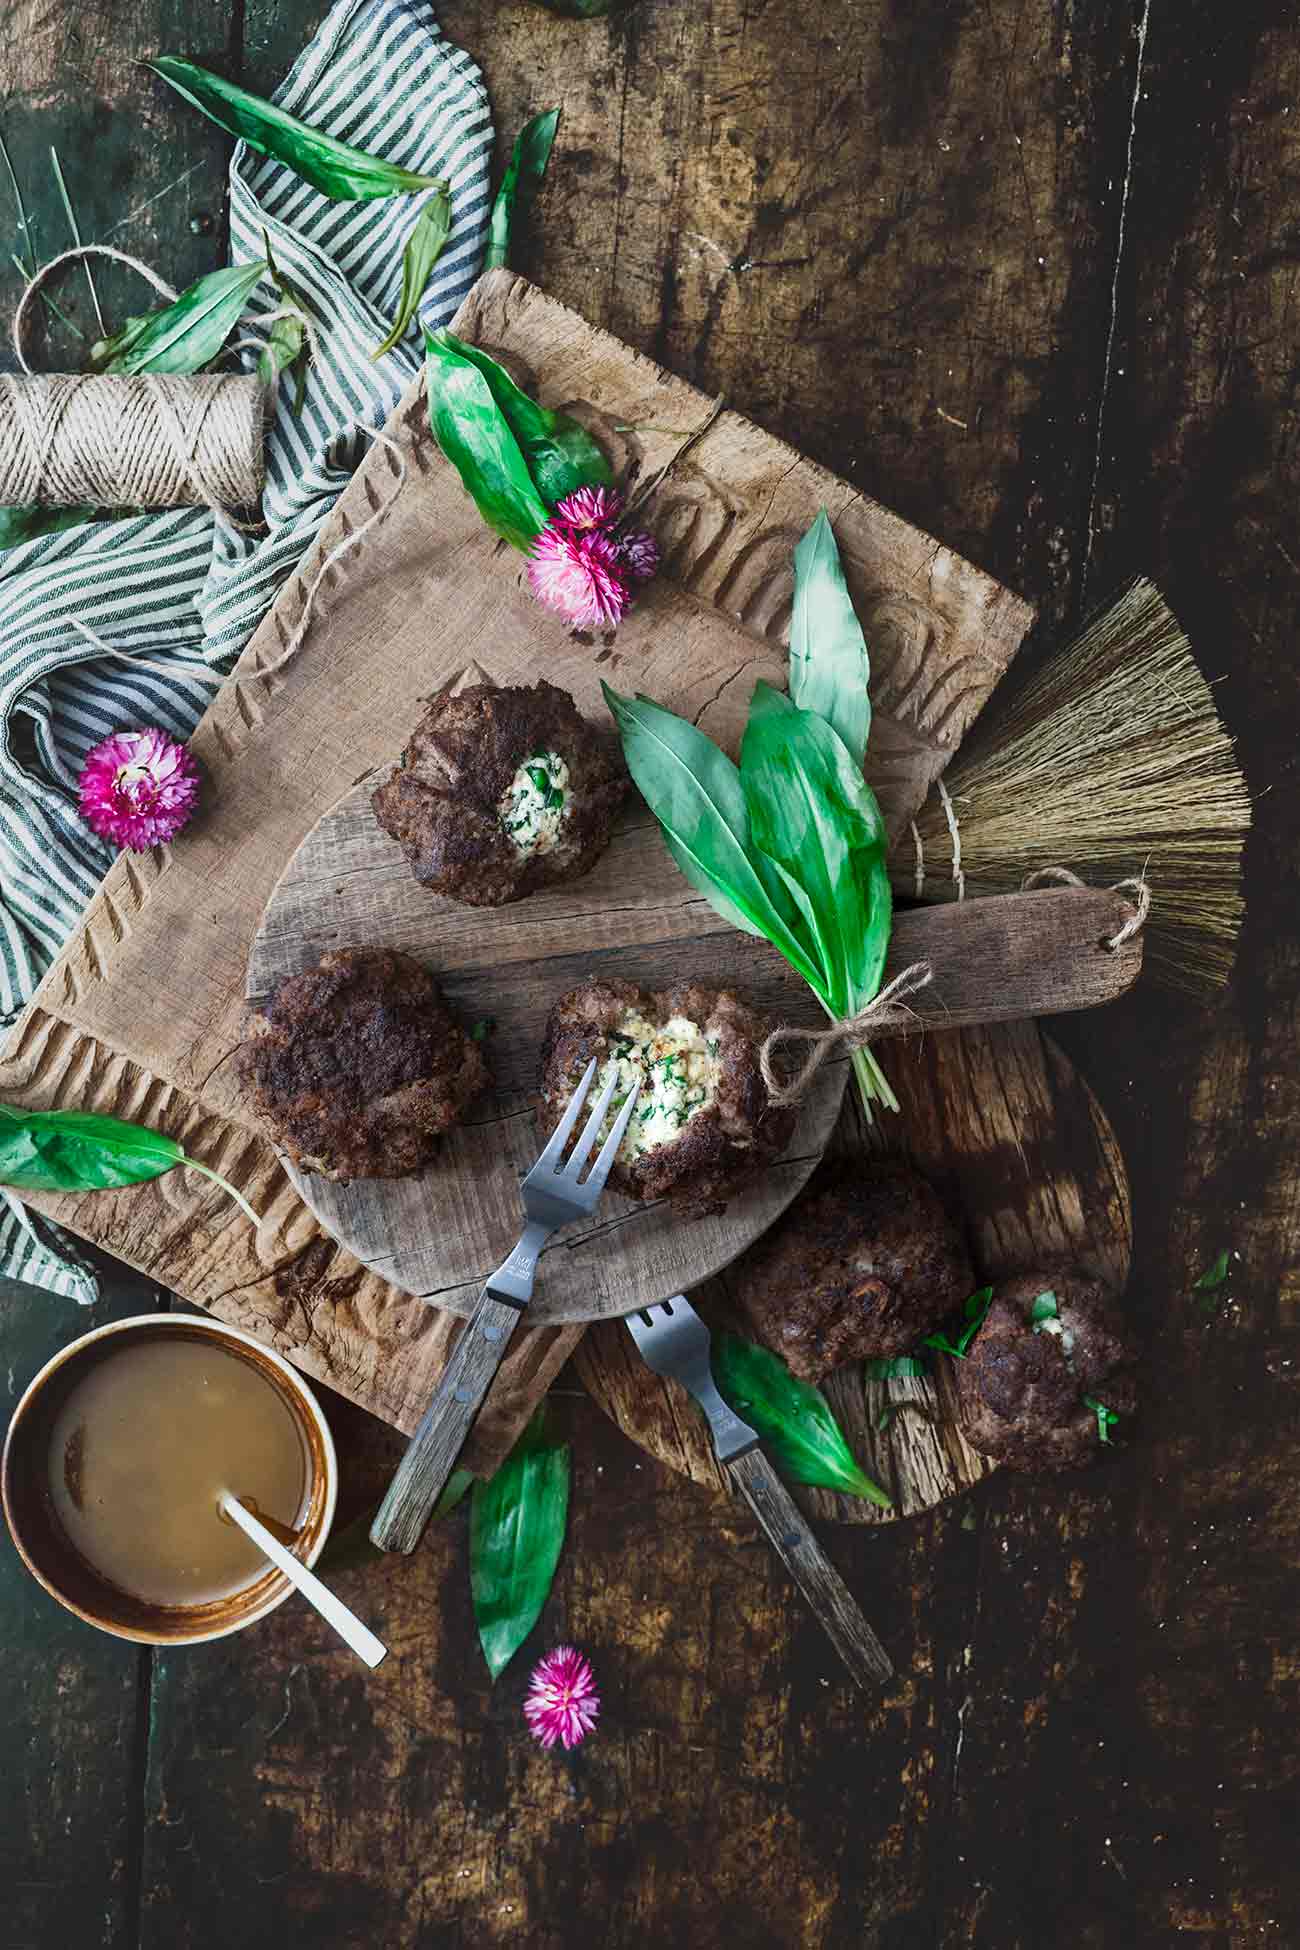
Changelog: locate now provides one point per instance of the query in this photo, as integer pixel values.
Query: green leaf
(1214, 1274)
(184, 336)
(475, 436)
(524, 172)
(559, 454)
(25, 524)
(80, 1151)
(75, 1151)
(334, 168)
(695, 793)
(1106, 1417)
(829, 669)
(516, 1531)
(791, 1416)
(817, 820)
(896, 1367)
(1044, 1308)
(288, 343)
(973, 1316)
(423, 249)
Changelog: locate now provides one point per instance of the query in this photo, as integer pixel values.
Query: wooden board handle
(432, 1451)
(831, 1601)
(1014, 956)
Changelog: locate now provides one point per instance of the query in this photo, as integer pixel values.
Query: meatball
(1021, 1389)
(862, 1265)
(357, 1066)
(501, 791)
(703, 1120)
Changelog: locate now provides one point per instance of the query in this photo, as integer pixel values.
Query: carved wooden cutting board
(998, 1119)
(141, 1013)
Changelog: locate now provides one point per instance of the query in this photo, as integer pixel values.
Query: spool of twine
(144, 440)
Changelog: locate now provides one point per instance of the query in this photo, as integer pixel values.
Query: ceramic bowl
(45, 1549)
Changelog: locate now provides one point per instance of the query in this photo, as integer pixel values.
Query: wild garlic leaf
(814, 816)
(1043, 1308)
(475, 436)
(694, 791)
(334, 168)
(524, 172)
(516, 1532)
(1214, 1275)
(560, 455)
(184, 336)
(25, 524)
(80, 1151)
(829, 667)
(429, 233)
(973, 1316)
(288, 342)
(792, 1417)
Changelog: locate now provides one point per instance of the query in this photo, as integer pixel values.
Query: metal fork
(554, 1195)
(675, 1342)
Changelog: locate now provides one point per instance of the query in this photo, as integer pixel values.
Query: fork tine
(582, 1149)
(550, 1158)
(609, 1149)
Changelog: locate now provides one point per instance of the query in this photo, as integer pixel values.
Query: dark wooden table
(1028, 273)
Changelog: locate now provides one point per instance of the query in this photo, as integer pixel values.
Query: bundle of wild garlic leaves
(789, 845)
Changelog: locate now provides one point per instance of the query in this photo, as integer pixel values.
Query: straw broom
(1111, 761)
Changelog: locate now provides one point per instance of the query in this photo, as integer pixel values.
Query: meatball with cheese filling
(501, 791)
(1050, 1377)
(702, 1120)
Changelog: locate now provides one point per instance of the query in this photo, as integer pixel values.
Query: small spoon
(346, 1623)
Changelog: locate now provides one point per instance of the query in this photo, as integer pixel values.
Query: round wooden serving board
(1012, 1136)
(633, 917)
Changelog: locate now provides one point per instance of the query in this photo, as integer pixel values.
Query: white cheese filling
(677, 1067)
(535, 804)
(1056, 1327)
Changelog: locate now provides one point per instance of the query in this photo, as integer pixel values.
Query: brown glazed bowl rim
(252, 1602)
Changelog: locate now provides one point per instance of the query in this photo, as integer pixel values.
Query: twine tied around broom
(886, 1010)
(1136, 886)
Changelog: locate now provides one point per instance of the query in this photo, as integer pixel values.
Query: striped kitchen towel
(180, 588)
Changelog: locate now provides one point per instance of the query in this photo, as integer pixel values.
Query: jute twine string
(248, 679)
(889, 1011)
(140, 440)
(1136, 886)
(886, 1010)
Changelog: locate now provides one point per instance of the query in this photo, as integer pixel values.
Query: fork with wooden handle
(554, 1194)
(674, 1341)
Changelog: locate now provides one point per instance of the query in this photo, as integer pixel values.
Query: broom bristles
(1112, 760)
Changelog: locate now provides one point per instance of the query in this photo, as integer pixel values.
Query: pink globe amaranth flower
(580, 576)
(639, 553)
(589, 508)
(138, 788)
(562, 1701)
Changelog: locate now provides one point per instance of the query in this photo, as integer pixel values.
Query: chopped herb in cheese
(677, 1068)
(534, 805)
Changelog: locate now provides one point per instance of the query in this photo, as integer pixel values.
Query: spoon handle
(346, 1623)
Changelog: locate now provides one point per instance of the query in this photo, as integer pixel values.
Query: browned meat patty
(703, 1121)
(357, 1066)
(863, 1264)
(501, 791)
(1020, 1389)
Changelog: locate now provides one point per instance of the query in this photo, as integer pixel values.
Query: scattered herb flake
(1044, 1308)
(483, 1028)
(1214, 1275)
(1106, 1417)
(896, 1367)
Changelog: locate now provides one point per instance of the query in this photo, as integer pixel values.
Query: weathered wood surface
(634, 917)
(1022, 1153)
(858, 220)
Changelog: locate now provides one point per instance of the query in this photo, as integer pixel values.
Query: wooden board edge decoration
(1002, 1124)
(144, 999)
